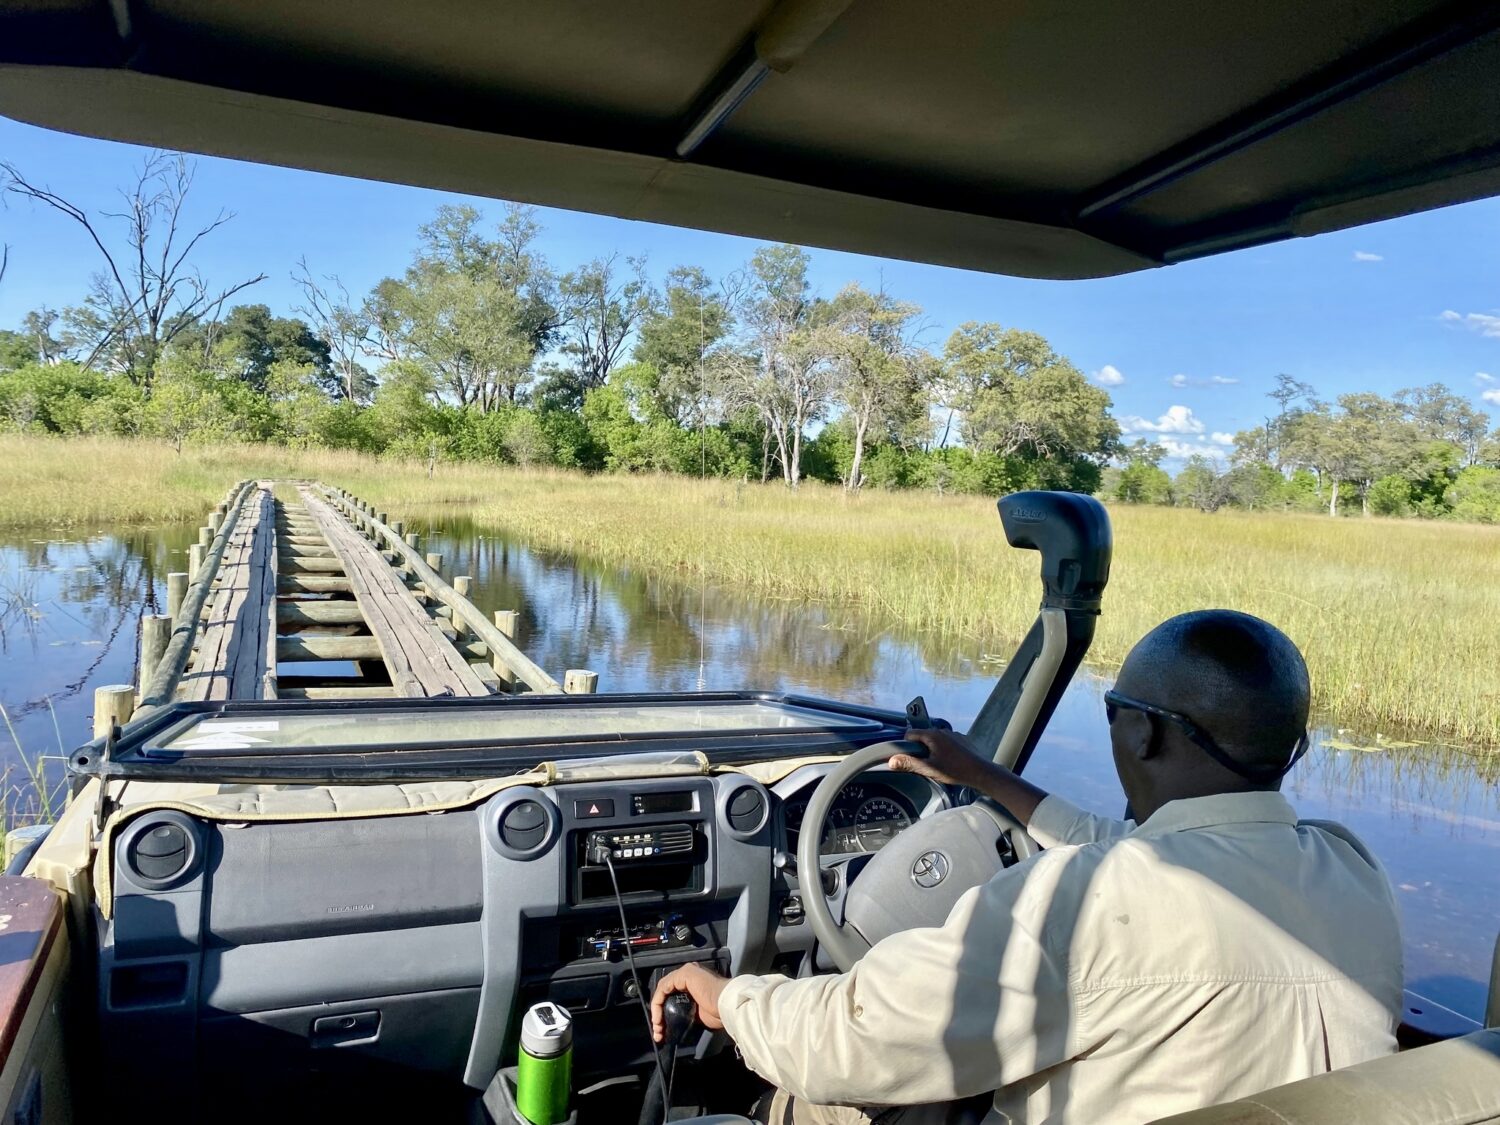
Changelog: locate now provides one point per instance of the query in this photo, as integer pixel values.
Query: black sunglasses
(1115, 702)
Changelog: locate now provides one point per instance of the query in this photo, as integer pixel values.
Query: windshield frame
(143, 749)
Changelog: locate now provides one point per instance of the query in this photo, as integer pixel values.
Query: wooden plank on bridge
(420, 661)
(237, 637)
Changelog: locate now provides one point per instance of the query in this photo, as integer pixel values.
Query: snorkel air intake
(1073, 536)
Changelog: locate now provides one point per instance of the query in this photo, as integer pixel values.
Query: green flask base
(500, 1100)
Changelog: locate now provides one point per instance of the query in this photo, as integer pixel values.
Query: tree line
(481, 349)
(1424, 451)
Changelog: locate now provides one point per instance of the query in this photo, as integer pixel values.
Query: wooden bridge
(299, 591)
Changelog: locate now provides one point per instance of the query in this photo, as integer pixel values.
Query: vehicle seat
(1456, 1082)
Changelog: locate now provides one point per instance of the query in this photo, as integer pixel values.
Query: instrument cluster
(865, 816)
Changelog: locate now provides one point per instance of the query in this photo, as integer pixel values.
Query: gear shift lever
(679, 1015)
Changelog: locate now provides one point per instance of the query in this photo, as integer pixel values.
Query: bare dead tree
(341, 324)
(148, 292)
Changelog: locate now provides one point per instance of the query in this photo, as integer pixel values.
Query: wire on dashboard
(640, 993)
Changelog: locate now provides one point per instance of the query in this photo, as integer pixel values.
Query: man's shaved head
(1238, 678)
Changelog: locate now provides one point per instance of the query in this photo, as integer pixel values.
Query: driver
(1210, 947)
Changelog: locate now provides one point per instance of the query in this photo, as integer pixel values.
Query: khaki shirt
(1126, 973)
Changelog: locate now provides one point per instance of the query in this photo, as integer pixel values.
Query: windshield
(393, 729)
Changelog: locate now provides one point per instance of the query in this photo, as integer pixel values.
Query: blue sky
(1190, 350)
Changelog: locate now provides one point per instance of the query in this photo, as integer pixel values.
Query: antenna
(703, 516)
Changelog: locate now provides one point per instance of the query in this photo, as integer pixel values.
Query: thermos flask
(544, 1071)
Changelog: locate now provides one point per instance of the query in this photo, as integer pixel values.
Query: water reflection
(69, 612)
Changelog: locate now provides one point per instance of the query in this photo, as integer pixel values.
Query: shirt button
(859, 1010)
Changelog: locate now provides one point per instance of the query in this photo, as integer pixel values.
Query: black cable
(640, 993)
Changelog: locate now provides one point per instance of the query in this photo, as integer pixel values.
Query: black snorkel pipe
(1073, 535)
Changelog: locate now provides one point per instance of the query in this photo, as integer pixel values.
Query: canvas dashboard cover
(1045, 140)
(237, 803)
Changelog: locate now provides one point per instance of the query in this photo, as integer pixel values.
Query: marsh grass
(1398, 619)
(27, 794)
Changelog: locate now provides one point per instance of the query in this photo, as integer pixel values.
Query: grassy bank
(1395, 617)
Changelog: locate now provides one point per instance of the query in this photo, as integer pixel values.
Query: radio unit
(662, 841)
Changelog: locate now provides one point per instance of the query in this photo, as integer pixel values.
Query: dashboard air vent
(160, 853)
(746, 810)
(523, 826)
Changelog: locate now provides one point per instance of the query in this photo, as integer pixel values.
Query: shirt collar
(1223, 808)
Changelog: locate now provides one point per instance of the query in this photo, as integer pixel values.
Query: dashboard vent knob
(523, 826)
(160, 853)
(746, 810)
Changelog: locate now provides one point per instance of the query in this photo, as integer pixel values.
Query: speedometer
(877, 821)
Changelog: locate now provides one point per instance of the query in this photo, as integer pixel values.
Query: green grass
(1396, 618)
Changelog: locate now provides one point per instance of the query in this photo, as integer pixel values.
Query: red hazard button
(588, 810)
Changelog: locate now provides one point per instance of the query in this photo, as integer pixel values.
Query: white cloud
(1483, 323)
(1180, 381)
(1181, 450)
(1492, 397)
(1219, 437)
(1483, 377)
(1366, 256)
(1109, 376)
(1177, 420)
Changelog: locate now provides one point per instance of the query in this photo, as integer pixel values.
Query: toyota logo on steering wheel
(930, 869)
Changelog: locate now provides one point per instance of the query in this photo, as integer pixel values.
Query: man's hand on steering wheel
(952, 760)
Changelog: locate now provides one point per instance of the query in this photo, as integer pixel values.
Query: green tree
(606, 302)
(250, 341)
(780, 373)
(1142, 480)
(1201, 484)
(192, 401)
(1018, 397)
(1391, 496)
(1475, 495)
(1439, 415)
(881, 378)
(16, 350)
(474, 312)
(677, 341)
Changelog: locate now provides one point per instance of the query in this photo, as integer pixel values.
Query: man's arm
(952, 760)
(927, 1015)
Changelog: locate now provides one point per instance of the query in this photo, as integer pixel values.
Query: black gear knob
(679, 1015)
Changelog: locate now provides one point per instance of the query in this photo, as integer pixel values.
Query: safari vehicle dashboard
(410, 944)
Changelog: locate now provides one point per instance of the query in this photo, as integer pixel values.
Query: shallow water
(69, 609)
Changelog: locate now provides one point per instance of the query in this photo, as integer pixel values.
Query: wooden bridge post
(577, 681)
(177, 584)
(462, 584)
(195, 561)
(156, 631)
(505, 621)
(205, 537)
(435, 560)
(113, 703)
(215, 521)
(399, 529)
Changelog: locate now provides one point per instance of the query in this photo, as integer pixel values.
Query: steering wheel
(916, 878)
